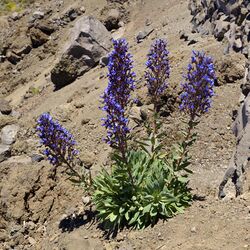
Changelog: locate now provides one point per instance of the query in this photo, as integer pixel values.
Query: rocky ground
(41, 72)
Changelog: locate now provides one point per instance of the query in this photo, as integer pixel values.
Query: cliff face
(229, 22)
(226, 20)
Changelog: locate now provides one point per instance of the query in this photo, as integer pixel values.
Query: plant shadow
(197, 197)
(72, 222)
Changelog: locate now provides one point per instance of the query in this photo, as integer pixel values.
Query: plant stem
(154, 122)
(128, 167)
(154, 115)
(71, 168)
(187, 137)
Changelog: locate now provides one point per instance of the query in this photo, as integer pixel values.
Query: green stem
(128, 168)
(76, 173)
(154, 123)
(187, 137)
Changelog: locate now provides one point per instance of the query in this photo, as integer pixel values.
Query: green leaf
(147, 208)
(127, 216)
(121, 210)
(135, 217)
(182, 179)
(112, 217)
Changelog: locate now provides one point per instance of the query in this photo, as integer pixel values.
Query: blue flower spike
(197, 90)
(117, 95)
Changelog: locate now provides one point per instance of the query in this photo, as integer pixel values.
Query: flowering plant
(144, 184)
(60, 148)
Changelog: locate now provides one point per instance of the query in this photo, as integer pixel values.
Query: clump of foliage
(146, 183)
(13, 5)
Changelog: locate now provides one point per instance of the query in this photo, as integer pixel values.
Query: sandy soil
(37, 212)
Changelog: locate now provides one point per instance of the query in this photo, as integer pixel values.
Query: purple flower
(158, 68)
(197, 89)
(117, 95)
(59, 143)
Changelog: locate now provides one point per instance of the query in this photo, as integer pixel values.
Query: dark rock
(237, 45)
(104, 61)
(37, 158)
(24, 50)
(245, 88)
(37, 37)
(112, 20)
(2, 58)
(241, 17)
(46, 27)
(90, 41)
(183, 35)
(192, 41)
(16, 16)
(13, 58)
(85, 121)
(72, 14)
(4, 152)
(5, 107)
(234, 8)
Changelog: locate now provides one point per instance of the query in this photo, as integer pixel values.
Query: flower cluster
(59, 143)
(158, 68)
(117, 95)
(197, 89)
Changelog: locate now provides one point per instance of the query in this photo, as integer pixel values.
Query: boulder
(37, 37)
(5, 107)
(90, 41)
(46, 26)
(23, 50)
(8, 134)
(12, 57)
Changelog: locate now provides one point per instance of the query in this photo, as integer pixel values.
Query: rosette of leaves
(160, 190)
